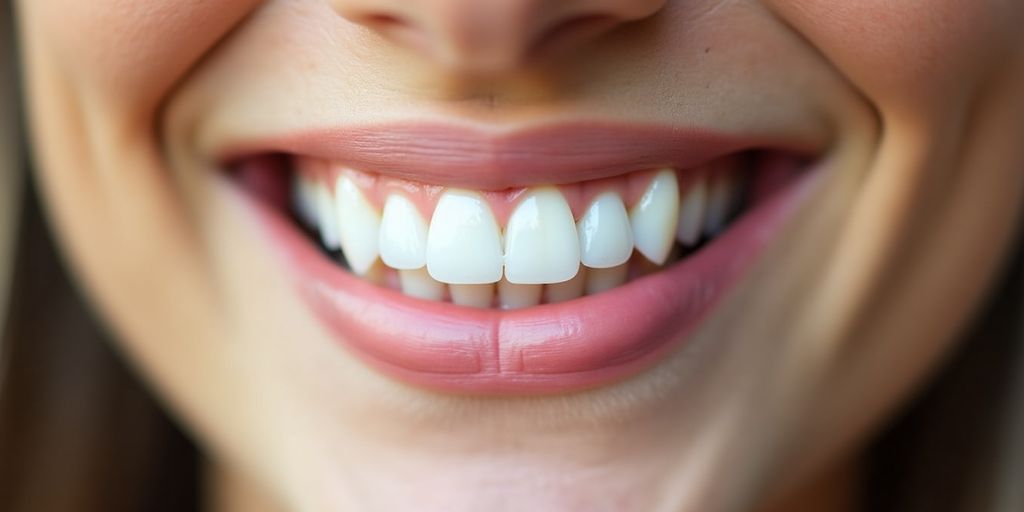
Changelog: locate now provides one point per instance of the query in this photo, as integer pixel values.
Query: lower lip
(584, 343)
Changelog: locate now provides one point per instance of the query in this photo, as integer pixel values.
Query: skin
(918, 101)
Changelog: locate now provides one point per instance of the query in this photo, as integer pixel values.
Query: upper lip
(477, 157)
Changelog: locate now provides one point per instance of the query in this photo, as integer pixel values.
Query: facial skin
(917, 101)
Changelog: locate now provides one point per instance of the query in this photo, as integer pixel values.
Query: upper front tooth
(720, 199)
(541, 245)
(358, 225)
(328, 220)
(463, 241)
(606, 239)
(691, 212)
(654, 218)
(403, 234)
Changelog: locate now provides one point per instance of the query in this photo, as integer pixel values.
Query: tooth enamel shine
(358, 225)
(463, 241)
(541, 245)
(654, 218)
(606, 238)
(403, 234)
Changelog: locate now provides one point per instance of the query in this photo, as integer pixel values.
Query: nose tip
(492, 36)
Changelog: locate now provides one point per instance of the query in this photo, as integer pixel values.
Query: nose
(492, 36)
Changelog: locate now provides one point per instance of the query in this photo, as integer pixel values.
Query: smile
(546, 261)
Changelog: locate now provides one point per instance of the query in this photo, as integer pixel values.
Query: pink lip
(486, 159)
(587, 342)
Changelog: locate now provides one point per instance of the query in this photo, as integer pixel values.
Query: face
(650, 253)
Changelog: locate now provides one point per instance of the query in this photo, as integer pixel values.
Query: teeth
(540, 240)
(418, 283)
(474, 295)
(691, 212)
(403, 234)
(605, 236)
(516, 296)
(720, 201)
(358, 225)
(304, 199)
(543, 254)
(463, 241)
(568, 290)
(601, 279)
(654, 218)
(328, 221)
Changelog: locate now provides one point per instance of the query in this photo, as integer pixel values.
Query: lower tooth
(601, 279)
(377, 274)
(473, 295)
(418, 283)
(515, 296)
(568, 290)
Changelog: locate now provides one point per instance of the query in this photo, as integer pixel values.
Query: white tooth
(304, 199)
(418, 283)
(691, 212)
(403, 234)
(654, 218)
(601, 279)
(328, 219)
(720, 199)
(474, 295)
(568, 290)
(515, 296)
(606, 238)
(358, 225)
(463, 241)
(541, 245)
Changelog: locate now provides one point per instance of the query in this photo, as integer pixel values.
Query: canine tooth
(606, 237)
(328, 219)
(418, 283)
(515, 296)
(568, 290)
(691, 212)
(601, 279)
(474, 295)
(304, 199)
(403, 234)
(463, 240)
(541, 245)
(720, 199)
(358, 225)
(654, 218)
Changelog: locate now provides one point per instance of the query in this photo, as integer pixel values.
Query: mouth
(545, 261)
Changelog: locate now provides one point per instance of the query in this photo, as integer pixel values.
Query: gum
(579, 195)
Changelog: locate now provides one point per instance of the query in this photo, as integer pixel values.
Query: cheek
(128, 53)
(909, 51)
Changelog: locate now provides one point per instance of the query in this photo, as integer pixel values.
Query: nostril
(565, 32)
(383, 21)
(397, 28)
